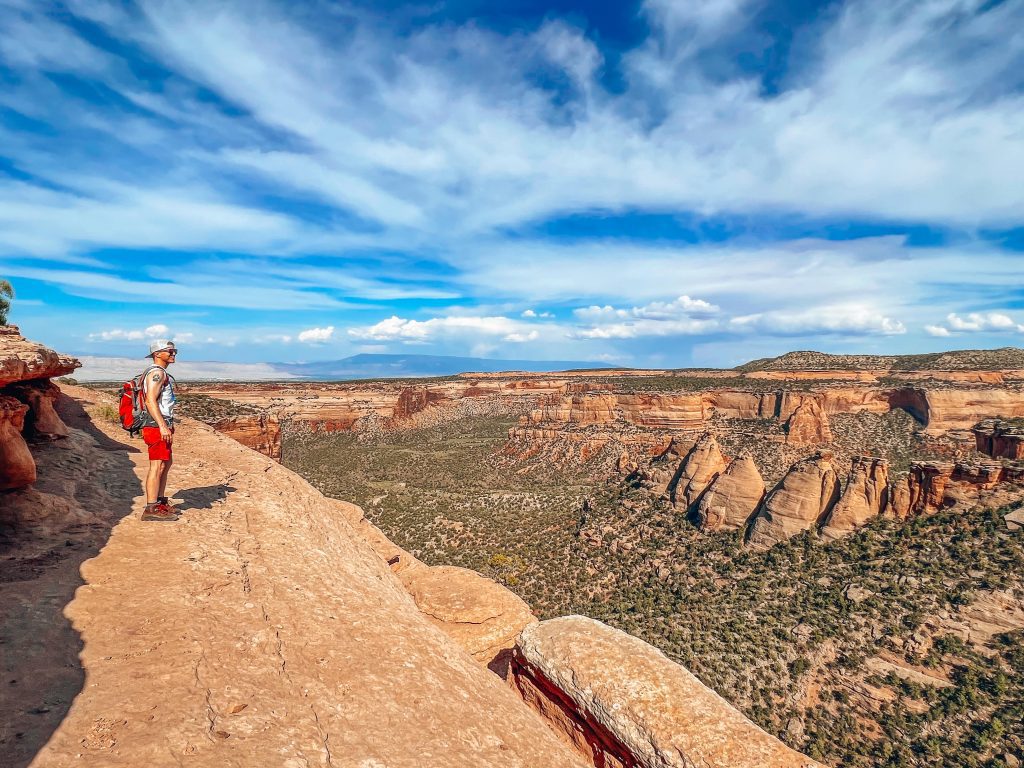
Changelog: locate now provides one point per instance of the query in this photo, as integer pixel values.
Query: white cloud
(156, 331)
(851, 319)
(406, 330)
(682, 317)
(976, 322)
(316, 335)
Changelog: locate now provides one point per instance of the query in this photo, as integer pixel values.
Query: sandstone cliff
(702, 465)
(732, 498)
(798, 503)
(865, 497)
(272, 624)
(1000, 439)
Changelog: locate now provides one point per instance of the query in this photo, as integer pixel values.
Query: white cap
(159, 345)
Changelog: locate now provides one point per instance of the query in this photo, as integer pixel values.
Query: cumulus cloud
(842, 319)
(975, 322)
(681, 317)
(316, 335)
(152, 332)
(410, 331)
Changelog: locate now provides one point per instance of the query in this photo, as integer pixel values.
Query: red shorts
(159, 450)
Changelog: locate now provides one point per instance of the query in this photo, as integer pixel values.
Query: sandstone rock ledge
(623, 703)
(262, 629)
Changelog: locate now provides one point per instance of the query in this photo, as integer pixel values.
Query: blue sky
(646, 183)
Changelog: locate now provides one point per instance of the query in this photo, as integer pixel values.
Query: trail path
(258, 630)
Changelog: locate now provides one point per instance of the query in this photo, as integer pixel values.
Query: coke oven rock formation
(732, 498)
(702, 464)
(798, 503)
(621, 702)
(865, 497)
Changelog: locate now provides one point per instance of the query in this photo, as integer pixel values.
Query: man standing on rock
(158, 389)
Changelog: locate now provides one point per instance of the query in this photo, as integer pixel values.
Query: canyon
(270, 620)
(763, 488)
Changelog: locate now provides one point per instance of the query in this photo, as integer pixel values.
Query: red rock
(621, 702)
(21, 359)
(808, 425)
(17, 467)
(865, 497)
(702, 464)
(261, 432)
(40, 396)
(732, 498)
(798, 503)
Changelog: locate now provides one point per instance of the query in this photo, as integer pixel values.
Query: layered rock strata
(24, 360)
(621, 703)
(1000, 439)
(732, 498)
(865, 497)
(798, 503)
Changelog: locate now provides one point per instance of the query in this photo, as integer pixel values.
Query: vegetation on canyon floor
(812, 641)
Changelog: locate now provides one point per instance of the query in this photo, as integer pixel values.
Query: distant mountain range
(364, 366)
(368, 366)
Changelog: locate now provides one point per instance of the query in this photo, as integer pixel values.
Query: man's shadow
(203, 497)
(40, 670)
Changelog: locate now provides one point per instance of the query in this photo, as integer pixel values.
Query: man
(158, 388)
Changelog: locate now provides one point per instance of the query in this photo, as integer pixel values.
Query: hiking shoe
(158, 513)
(166, 502)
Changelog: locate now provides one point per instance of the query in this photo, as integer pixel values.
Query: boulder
(702, 464)
(798, 503)
(17, 467)
(866, 495)
(621, 702)
(732, 498)
(479, 614)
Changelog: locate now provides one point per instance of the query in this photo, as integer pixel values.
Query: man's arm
(156, 380)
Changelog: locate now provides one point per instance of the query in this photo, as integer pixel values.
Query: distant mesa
(363, 366)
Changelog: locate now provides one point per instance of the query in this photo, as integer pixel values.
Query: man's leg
(164, 472)
(155, 479)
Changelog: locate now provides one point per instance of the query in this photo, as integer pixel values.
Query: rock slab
(621, 702)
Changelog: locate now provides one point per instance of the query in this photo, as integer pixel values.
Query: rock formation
(26, 403)
(1000, 439)
(932, 485)
(732, 498)
(621, 702)
(865, 497)
(261, 432)
(480, 615)
(40, 395)
(808, 425)
(17, 467)
(798, 503)
(23, 360)
(702, 464)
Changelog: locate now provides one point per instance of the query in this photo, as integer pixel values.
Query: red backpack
(132, 406)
